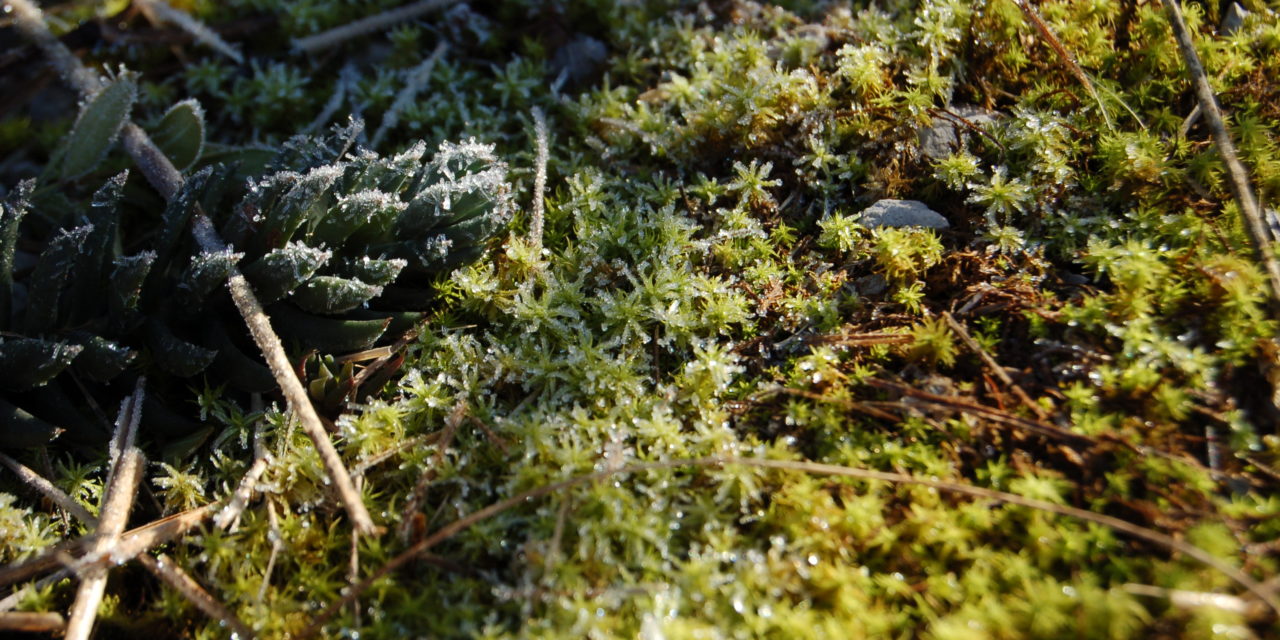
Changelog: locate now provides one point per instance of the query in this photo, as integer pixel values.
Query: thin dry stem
(346, 80)
(364, 26)
(159, 11)
(277, 542)
(48, 490)
(230, 515)
(132, 543)
(1064, 55)
(414, 503)
(171, 574)
(30, 21)
(1199, 599)
(28, 622)
(861, 339)
(415, 81)
(539, 179)
(1142, 533)
(127, 472)
(1255, 222)
(991, 364)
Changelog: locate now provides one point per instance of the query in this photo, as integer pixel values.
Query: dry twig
(122, 485)
(1255, 223)
(28, 622)
(48, 490)
(364, 26)
(415, 81)
(539, 179)
(164, 568)
(991, 364)
(159, 11)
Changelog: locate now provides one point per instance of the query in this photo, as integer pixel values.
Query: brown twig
(171, 574)
(539, 179)
(1116, 524)
(127, 465)
(385, 20)
(1255, 223)
(860, 339)
(414, 503)
(132, 543)
(1064, 55)
(946, 403)
(48, 490)
(28, 622)
(995, 368)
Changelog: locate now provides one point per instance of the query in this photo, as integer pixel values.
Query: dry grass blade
(48, 490)
(1198, 599)
(126, 473)
(1064, 55)
(415, 81)
(1255, 223)
(539, 179)
(230, 514)
(30, 21)
(861, 339)
(1142, 533)
(946, 403)
(364, 26)
(164, 568)
(991, 364)
(159, 11)
(414, 503)
(127, 465)
(28, 622)
(131, 543)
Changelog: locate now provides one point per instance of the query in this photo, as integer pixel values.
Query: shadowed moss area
(1091, 329)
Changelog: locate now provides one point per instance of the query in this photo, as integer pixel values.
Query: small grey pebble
(902, 213)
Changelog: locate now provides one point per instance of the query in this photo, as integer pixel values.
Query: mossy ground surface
(704, 289)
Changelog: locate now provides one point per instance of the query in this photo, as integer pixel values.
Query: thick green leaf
(401, 321)
(19, 429)
(363, 217)
(160, 420)
(85, 298)
(207, 272)
(234, 366)
(370, 270)
(102, 360)
(329, 335)
(12, 210)
(305, 203)
(180, 133)
(53, 404)
(52, 274)
(177, 213)
(31, 362)
(175, 355)
(330, 295)
(97, 127)
(125, 286)
(282, 270)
